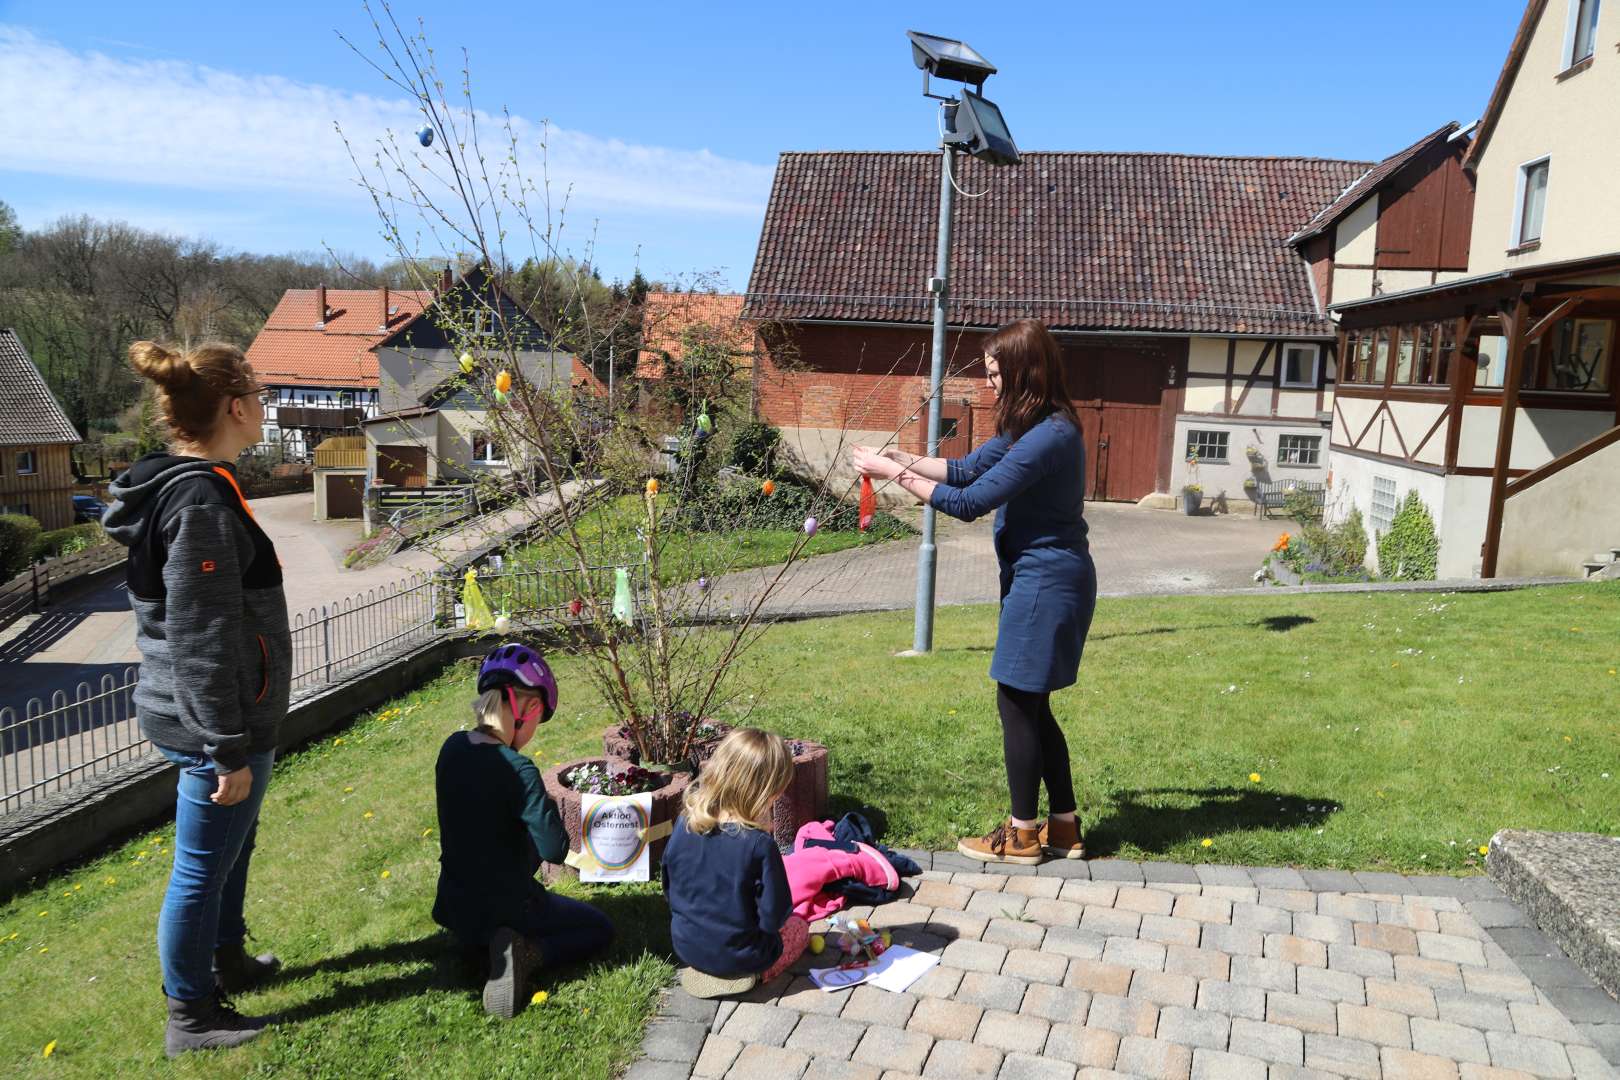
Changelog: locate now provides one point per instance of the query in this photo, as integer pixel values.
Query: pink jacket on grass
(812, 869)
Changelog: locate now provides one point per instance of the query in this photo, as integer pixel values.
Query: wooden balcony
(318, 418)
(341, 452)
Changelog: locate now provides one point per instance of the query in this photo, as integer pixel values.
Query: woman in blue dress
(1032, 473)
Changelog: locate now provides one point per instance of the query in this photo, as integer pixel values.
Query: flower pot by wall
(806, 797)
(1190, 501)
(666, 806)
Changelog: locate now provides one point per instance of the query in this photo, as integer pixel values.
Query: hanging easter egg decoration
(424, 134)
(705, 426)
(500, 397)
(868, 503)
(768, 487)
(575, 606)
(623, 603)
(466, 363)
(703, 584)
(652, 486)
(809, 526)
(503, 382)
(503, 623)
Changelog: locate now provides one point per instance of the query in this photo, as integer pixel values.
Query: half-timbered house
(36, 442)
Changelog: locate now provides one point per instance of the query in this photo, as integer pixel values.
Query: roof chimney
(444, 280)
(320, 306)
(382, 321)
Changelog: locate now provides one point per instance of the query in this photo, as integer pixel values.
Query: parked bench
(1273, 495)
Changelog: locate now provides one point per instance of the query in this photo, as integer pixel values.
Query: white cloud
(86, 114)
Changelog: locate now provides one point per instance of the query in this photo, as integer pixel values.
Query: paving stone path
(1111, 968)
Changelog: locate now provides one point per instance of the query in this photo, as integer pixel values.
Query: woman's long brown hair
(1032, 382)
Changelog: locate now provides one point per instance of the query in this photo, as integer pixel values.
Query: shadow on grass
(439, 962)
(1157, 819)
(1277, 624)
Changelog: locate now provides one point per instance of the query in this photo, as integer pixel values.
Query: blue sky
(217, 119)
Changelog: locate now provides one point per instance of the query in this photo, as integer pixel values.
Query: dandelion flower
(50, 1048)
(1483, 850)
(43, 914)
(539, 998)
(43, 949)
(1568, 739)
(427, 832)
(76, 888)
(109, 881)
(348, 791)
(387, 874)
(338, 741)
(1206, 842)
(368, 815)
(1254, 778)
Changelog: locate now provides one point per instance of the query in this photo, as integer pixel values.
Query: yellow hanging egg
(466, 363)
(652, 486)
(503, 382)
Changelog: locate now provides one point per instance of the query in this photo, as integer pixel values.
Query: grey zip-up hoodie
(211, 617)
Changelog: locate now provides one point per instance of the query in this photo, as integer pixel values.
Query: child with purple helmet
(496, 826)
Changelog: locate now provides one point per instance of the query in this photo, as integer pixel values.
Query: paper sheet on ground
(895, 970)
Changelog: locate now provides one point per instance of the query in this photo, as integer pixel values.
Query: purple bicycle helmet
(518, 665)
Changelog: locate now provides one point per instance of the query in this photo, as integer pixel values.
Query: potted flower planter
(806, 797)
(1256, 458)
(617, 744)
(1191, 497)
(666, 806)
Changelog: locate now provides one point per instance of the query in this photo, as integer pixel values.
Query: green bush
(1410, 550)
(68, 541)
(18, 535)
(740, 504)
(753, 448)
(1341, 549)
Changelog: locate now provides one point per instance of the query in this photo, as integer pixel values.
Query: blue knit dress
(1036, 485)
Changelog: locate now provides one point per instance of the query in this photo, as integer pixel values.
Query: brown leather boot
(1006, 843)
(1061, 839)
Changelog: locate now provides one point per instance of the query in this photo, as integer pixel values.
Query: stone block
(1451, 948)
(756, 1061)
(974, 956)
(1330, 985)
(1127, 1016)
(1375, 1025)
(996, 905)
(1330, 880)
(1034, 966)
(1492, 913)
(1144, 901)
(1163, 988)
(1027, 1067)
(1220, 1065)
(1543, 1021)
(1278, 877)
(1444, 1039)
(1153, 1058)
(979, 880)
(1169, 930)
(1088, 1047)
(1379, 882)
(1410, 1065)
(1052, 912)
(1099, 978)
(1056, 1004)
(1014, 934)
(1304, 1013)
(1089, 893)
(1266, 974)
(1194, 1027)
(1116, 870)
(1268, 1042)
(1202, 963)
(1296, 950)
(1405, 998)
(649, 1069)
(869, 1005)
(1044, 887)
(1109, 922)
(992, 991)
(942, 894)
(1473, 1010)
(1292, 900)
(674, 1040)
(1328, 929)
(1347, 1057)
(1176, 873)
(1131, 953)
(1219, 996)
(1435, 974)
(1409, 916)
(1462, 924)
(954, 1059)
(716, 1056)
(826, 1036)
(1368, 963)
(1009, 1032)
(1262, 917)
(826, 1068)
(1236, 894)
(1203, 909)
(1543, 1057)
(945, 1019)
(1351, 908)
(939, 982)
(1075, 942)
(1396, 940)
(892, 1048)
(765, 1025)
(1233, 940)
(957, 925)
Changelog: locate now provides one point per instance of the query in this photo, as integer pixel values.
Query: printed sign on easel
(614, 837)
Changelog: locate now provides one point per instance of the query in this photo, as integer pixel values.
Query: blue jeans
(212, 848)
(565, 929)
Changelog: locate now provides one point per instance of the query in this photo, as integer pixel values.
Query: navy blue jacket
(728, 898)
(1036, 485)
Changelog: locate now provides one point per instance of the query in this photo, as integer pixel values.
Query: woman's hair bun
(164, 366)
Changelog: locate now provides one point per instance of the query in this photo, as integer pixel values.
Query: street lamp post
(972, 124)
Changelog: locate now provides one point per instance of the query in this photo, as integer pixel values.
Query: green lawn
(1388, 731)
(684, 556)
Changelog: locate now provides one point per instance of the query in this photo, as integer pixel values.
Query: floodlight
(979, 128)
(947, 58)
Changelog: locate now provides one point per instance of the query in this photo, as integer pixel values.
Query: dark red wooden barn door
(1117, 391)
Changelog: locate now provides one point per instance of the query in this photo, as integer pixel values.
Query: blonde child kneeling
(729, 901)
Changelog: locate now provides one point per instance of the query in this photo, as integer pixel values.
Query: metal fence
(49, 749)
(334, 639)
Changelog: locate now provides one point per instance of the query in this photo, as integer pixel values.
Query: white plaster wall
(1217, 478)
(1204, 394)
(1300, 403)
(1391, 281)
(818, 448)
(1356, 234)
(1539, 435)
(1352, 488)
(1413, 419)
(1351, 284)
(1576, 122)
(416, 431)
(1467, 507)
(1207, 355)
(1554, 527)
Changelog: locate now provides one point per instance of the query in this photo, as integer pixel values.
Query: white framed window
(1383, 503)
(1299, 449)
(486, 451)
(1580, 33)
(1207, 446)
(1299, 366)
(27, 464)
(1530, 202)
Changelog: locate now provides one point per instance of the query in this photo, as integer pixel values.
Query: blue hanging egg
(424, 134)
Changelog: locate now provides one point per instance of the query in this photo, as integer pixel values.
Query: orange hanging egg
(768, 487)
(503, 382)
(652, 486)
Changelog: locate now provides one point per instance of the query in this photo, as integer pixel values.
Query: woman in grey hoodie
(211, 625)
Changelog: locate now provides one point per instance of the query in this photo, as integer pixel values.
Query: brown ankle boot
(1006, 843)
(1061, 839)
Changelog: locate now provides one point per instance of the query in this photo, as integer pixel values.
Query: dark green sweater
(496, 825)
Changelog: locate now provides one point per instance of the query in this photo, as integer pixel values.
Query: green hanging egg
(624, 607)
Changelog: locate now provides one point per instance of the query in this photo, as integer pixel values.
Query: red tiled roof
(293, 349)
(666, 316)
(1368, 183)
(29, 414)
(1104, 241)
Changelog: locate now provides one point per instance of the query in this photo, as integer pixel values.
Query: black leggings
(1035, 750)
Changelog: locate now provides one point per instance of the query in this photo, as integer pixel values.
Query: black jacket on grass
(210, 614)
(496, 825)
